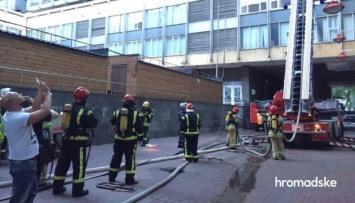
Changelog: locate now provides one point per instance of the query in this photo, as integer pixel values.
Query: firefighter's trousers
(72, 151)
(128, 148)
(145, 135)
(232, 135)
(190, 150)
(277, 147)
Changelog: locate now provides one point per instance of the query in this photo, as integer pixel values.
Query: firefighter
(147, 115)
(232, 121)
(181, 113)
(74, 143)
(128, 126)
(190, 130)
(275, 126)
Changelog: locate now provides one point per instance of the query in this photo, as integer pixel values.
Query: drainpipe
(186, 32)
(269, 30)
(238, 30)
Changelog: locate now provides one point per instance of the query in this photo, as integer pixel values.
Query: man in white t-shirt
(22, 141)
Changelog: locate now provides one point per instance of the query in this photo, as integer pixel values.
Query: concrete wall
(165, 121)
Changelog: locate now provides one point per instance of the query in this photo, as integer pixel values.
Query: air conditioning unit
(138, 26)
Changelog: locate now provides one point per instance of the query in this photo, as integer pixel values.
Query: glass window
(326, 29)
(279, 34)
(232, 93)
(255, 37)
(284, 33)
(154, 47)
(277, 4)
(176, 14)
(275, 35)
(175, 45)
(67, 30)
(248, 6)
(253, 8)
(154, 18)
(98, 27)
(52, 33)
(135, 21)
(115, 49)
(349, 26)
(134, 47)
(82, 29)
(37, 33)
(116, 24)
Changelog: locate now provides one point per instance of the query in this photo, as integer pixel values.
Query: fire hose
(142, 162)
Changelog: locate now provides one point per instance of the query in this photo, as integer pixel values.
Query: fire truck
(305, 119)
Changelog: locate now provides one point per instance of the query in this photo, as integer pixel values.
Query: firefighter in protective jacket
(190, 130)
(232, 121)
(181, 113)
(128, 126)
(74, 143)
(147, 115)
(275, 126)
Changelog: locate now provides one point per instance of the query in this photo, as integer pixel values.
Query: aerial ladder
(304, 121)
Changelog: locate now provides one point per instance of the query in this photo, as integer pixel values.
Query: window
(175, 45)
(135, 21)
(134, 47)
(13, 30)
(255, 37)
(34, 2)
(115, 49)
(326, 29)
(82, 29)
(154, 47)
(232, 93)
(98, 27)
(254, 6)
(67, 30)
(277, 4)
(37, 34)
(116, 24)
(349, 26)
(176, 14)
(52, 33)
(154, 18)
(279, 34)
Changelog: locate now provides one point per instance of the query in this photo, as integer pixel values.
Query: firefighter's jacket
(134, 125)
(81, 121)
(146, 115)
(232, 121)
(190, 123)
(275, 125)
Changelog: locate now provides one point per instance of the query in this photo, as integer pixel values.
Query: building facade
(241, 42)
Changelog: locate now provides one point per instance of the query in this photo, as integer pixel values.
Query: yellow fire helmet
(146, 104)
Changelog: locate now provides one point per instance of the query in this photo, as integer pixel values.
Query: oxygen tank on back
(273, 122)
(66, 116)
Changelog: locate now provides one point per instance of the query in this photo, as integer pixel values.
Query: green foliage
(345, 93)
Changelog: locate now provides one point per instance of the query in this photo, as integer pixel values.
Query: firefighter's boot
(58, 187)
(112, 176)
(78, 190)
(130, 179)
